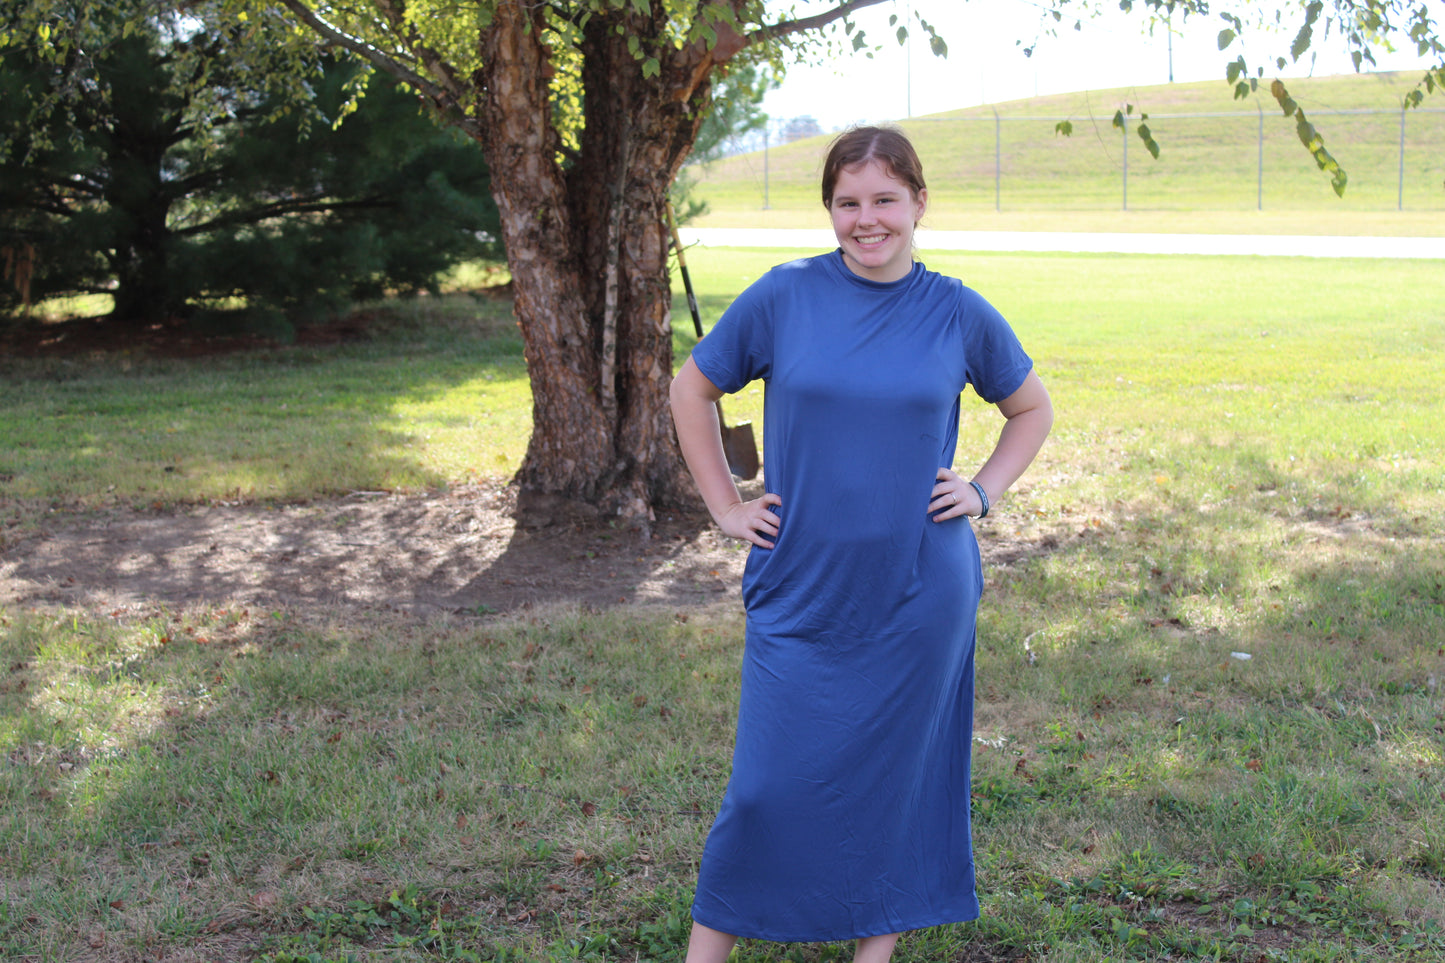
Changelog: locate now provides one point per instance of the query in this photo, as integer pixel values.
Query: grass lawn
(1210, 722)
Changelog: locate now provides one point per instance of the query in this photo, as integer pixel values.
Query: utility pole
(1169, 27)
(908, 62)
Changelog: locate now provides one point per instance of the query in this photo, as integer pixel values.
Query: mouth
(870, 240)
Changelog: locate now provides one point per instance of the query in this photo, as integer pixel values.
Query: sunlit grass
(443, 397)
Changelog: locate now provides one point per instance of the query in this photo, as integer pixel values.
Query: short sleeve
(996, 361)
(739, 348)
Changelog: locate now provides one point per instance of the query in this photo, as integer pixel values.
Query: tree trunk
(143, 127)
(588, 253)
(572, 449)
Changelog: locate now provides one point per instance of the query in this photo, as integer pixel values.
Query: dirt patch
(460, 551)
(465, 551)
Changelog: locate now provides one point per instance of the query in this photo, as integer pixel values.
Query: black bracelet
(982, 497)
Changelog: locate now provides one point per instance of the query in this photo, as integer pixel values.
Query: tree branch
(787, 27)
(430, 59)
(280, 209)
(438, 95)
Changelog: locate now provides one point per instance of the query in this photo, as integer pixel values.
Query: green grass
(1207, 163)
(403, 410)
(1246, 462)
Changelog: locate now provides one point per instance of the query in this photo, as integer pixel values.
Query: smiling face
(874, 214)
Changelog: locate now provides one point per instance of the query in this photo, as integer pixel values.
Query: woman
(847, 813)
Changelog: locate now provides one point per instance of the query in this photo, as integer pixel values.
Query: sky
(984, 65)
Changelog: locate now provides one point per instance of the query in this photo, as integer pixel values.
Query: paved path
(1243, 244)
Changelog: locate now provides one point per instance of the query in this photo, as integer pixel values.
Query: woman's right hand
(752, 521)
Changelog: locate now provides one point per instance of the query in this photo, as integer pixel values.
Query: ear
(920, 206)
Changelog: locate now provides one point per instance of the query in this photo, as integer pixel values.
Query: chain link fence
(1234, 160)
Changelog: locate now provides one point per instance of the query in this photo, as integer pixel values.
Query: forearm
(1029, 415)
(694, 413)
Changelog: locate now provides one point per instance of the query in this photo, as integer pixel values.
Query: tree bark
(568, 233)
(571, 449)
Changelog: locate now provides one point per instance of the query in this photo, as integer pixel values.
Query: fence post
(1400, 193)
(766, 205)
(997, 164)
(1125, 128)
(1259, 165)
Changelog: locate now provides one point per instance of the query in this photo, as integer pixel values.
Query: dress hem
(945, 919)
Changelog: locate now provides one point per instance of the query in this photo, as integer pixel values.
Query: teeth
(872, 239)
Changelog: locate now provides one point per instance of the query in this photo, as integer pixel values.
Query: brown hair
(887, 145)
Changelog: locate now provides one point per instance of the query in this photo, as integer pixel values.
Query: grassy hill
(1222, 162)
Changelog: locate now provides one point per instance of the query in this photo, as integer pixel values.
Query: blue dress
(847, 811)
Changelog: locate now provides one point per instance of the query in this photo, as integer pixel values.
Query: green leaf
(902, 35)
(1064, 128)
(1226, 37)
(1301, 42)
(651, 68)
(1281, 94)
(1150, 144)
(1119, 119)
(858, 42)
(938, 47)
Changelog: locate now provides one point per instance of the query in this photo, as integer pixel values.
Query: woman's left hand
(953, 497)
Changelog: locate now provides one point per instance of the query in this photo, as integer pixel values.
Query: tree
(129, 179)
